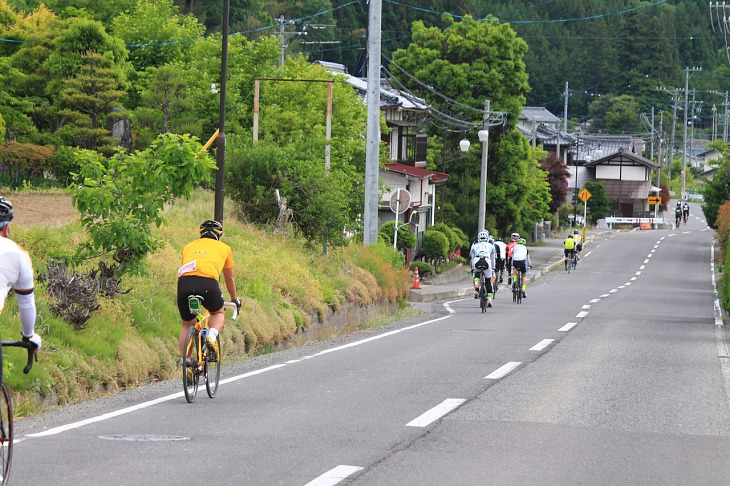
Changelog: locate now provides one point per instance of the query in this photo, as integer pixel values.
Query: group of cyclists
(490, 257)
(681, 212)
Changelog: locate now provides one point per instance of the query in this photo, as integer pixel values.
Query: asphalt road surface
(614, 374)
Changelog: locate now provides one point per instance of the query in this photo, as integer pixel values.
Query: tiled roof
(538, 114)
(436, 177)
(627, 189)
(625, 157)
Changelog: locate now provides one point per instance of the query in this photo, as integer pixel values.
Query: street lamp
(484, 138)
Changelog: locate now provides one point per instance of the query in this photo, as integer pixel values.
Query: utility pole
(674, 129)
(282, 22)
(565, 117)
(687, 72)
(372, 162)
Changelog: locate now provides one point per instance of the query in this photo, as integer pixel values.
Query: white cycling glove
(35, 339)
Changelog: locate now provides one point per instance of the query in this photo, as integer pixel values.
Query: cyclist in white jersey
(16, 271)
(521, 262)
(482, 244)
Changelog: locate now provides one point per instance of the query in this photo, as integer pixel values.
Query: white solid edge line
(436, 412)
(568, 326)
(140, 406)
(720, 338)
(542, 345)
(334, 476)
(502, 370)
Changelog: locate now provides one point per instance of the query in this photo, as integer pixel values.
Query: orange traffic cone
(416, 279)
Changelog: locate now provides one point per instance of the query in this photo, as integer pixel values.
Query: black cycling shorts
(569, 253)
(519, 265)
(205, 287)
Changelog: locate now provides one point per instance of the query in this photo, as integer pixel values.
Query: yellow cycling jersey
(205, 257)
(577, 238)
(569, 243)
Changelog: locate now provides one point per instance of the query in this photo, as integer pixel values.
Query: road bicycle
(685, 218)
(483, 297)
(679, 220)
(200, 361)
(517, 287)
(572, 261)
(6, 409)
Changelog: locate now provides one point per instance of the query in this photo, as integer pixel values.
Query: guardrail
(610, 221)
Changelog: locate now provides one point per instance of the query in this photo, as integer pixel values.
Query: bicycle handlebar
(29, 346)
(234, 308)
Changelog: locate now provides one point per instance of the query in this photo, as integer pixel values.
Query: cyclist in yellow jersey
(578, 243)
(203, 261)
(569, 249)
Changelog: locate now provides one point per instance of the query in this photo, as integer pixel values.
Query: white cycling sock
(213, 332)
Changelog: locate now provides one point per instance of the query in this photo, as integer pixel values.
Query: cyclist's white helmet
(483, 235)
(515, 236)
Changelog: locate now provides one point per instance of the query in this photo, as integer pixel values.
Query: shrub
(424, 268)
(435, 245)
(405, 240)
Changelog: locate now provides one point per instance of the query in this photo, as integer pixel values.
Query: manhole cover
(143, 438)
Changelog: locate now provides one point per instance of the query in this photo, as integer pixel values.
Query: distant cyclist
(678, 214)
(482, 244)
(685, 212)
(500, 258)
(578, 243)
(568, 249)
(16, 272)
(203, 260)
(521, 262)
(483, 266)
(514, 238)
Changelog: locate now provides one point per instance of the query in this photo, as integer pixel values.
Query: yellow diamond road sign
(584, 195)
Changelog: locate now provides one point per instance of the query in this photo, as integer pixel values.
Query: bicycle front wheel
(190, 374)
(213, 372)
(6, 433)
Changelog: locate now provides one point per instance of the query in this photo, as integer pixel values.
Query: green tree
(716, 191)
(468, 62)
(87, 79)
(88, 100)
(165, 105)
(615, 114)
(435, 246)
(121, 197)
(156, 32)
(599, 203)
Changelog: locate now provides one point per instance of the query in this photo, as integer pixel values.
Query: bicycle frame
(197, 360)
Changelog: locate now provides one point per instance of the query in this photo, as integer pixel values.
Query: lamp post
(484, 138)
(221, 141)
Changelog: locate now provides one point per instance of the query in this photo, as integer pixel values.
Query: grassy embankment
(132, 339)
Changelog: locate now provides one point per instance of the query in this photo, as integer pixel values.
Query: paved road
(614, 374)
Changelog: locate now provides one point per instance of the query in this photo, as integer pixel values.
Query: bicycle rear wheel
(190, 374)
(6, 433)
(483, 298)
(515, 290)
(213, 372)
